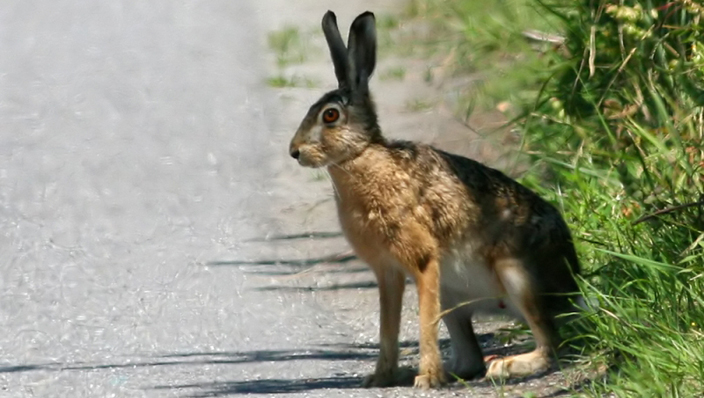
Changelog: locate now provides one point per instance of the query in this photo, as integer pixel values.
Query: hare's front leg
(431, 372)
(391, 285)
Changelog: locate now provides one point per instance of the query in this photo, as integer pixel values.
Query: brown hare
(469, 236)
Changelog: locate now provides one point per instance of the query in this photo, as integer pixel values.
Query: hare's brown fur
(469, 236)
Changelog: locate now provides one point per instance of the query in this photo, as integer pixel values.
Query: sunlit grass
(420, 105)
(394, 73)
(488, 39)
(281, 81)
(621, 140)
(289, 46)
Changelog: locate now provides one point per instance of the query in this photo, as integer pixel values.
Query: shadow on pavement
(202, 358)
(335, 258)
(302, 235)
(355, 285)
(348, 353)
(23, 368)
(266, 386)
(332, 352)
(342, 270)
(338, 382)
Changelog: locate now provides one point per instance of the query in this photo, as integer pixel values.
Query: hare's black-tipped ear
(362, 50)
(338, 51)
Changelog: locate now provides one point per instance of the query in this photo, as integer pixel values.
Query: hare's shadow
(339, 381)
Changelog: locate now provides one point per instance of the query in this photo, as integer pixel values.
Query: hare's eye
(331, 115)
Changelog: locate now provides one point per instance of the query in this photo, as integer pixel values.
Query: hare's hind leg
(522, 292)
(391, 285)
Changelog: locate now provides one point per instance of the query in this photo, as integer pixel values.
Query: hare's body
(399, 203)
(469, 236)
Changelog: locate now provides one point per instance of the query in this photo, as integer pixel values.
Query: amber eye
(331, 115)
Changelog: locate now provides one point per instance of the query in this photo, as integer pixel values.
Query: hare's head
(343, 122)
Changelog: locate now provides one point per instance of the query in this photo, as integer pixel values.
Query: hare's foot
(380, 379)
(522, 365)
(463, 370)
(430, 377)
(466, 362)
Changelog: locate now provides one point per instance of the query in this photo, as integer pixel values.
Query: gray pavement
(135, 140)
(140, 154)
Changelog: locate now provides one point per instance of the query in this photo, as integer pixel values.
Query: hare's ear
(338, 51)
(362, 50)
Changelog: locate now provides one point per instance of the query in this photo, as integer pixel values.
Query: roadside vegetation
(608, 97)
(291, 47)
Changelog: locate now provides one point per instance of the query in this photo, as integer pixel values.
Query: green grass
(487, 38)
(387, 26)
(281, 81)
(613, 121)
(394, 73)
(419, 105)
(619, 131)
(289, 45)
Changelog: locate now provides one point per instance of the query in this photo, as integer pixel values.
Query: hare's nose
(295, 153)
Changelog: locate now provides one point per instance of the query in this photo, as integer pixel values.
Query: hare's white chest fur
(466, 278)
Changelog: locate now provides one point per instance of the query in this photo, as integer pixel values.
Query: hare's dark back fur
(510, 219)
(483, 204)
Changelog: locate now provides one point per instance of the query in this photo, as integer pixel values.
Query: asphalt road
(135, 147)
(140, 151)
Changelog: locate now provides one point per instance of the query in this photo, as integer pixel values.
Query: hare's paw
(519, 365)
(430, 378)
(380, 379)
(456, 370)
